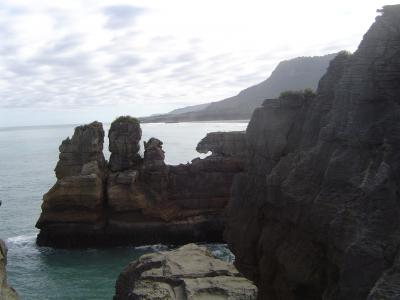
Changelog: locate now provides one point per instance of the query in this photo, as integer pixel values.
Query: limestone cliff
(188, 273)
(134, 200)
(315, 216)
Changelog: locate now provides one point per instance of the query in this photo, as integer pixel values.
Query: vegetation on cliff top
(305, 94)
(127, 119)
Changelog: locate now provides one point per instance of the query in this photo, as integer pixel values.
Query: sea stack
(133, 200)
(124, 137)
(75, 204)
(316, 214)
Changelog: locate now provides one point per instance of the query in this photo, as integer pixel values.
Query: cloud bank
(146, 57)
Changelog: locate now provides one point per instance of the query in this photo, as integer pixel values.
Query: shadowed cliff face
(316, 214)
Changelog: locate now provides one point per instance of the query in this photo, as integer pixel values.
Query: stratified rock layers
(76, 202)
(135, 201)
(188, 273)
(315, 215)
(124, 135)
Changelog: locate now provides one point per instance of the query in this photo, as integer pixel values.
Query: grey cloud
(21, 68)
(124, 62)
(77, 60)
(180, 58)
(67, 43)
(120, 16)
(162, 39)
(12, 10)
(150, 69)
(182, 70)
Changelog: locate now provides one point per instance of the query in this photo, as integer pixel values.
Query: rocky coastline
(315, 214)
(134, 200)
(314, 207)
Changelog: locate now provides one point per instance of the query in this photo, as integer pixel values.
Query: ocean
(28, 156)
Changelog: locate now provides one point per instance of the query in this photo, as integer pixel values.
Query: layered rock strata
(124, 137)
(188, 273)
(134, 200)
(76, 203)
(315, 215)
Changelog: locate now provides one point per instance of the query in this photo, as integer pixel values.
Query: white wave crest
(22, 239)
(158, 247)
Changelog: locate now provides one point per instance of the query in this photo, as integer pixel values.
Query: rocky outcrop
(6, 292)
(190, 272)
(83, 153)
(124, 136)
(155, 171)
(315, 215)
(145, 202)
(76, 202)
(224, 144)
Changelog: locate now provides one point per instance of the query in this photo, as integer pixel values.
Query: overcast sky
(73, 61)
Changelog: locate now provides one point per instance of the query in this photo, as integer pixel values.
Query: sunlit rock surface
(190, 272)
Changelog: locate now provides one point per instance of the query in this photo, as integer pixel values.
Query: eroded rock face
(81, 151)
(170, 204)
(155, 171)
(224, 144)
(150, 202)
(6, 292)
(190, 272)
(315, 216)
(124, 136)
(75, 204)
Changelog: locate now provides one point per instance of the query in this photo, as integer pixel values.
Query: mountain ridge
(292, 74)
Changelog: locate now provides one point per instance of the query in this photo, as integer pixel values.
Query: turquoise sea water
(27, 159)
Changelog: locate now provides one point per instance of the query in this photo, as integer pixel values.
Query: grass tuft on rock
(305, 94)
(126, 119)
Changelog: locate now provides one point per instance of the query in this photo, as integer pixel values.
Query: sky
(75, 61)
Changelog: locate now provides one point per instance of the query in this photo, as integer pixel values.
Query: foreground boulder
(190, 272)
(316, 214)
(134, 200)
